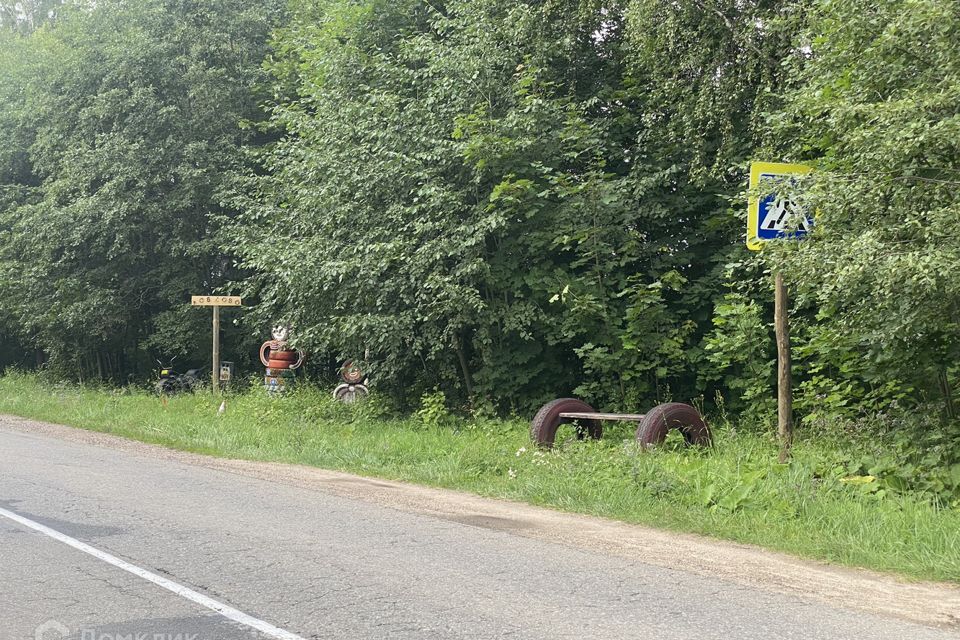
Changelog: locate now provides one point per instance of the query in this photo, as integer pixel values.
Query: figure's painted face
(280, 333)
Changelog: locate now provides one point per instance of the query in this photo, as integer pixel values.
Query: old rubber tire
(657, 423)
(301, 358)
(265, 350)
(351, 373)
(350, 393)
(285, 355)
(280, 373)
(543, 429)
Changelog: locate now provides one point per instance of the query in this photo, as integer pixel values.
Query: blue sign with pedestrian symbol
(774, 216)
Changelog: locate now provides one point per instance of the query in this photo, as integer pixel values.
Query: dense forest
(507, 200)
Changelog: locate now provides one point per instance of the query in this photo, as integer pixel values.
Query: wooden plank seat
(623, 417)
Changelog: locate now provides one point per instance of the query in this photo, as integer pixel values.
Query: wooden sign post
(770, 217)
(781, 305)
(216, 302)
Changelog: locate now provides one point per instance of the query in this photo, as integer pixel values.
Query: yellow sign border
(754, 243)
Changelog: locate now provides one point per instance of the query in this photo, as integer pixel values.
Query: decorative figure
(354, 385)
(281, 361)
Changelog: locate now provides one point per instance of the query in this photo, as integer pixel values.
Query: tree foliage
(876, 111)
(495, 202)
(123, 119)
(507, 198)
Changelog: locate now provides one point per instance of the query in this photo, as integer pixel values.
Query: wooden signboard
(216, 302)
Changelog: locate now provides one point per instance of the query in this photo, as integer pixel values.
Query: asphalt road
(314, 563)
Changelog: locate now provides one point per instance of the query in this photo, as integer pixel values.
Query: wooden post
(215, 376)
(784, 380)
(216, 302)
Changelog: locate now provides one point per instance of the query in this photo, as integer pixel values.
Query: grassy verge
(736, 491)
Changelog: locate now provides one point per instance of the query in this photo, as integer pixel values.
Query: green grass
(735, 491)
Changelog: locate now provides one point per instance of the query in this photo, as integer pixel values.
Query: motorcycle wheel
(164, 387)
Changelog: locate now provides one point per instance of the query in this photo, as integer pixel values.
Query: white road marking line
(169, 585)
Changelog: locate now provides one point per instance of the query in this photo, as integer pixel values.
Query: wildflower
(512, 473)
(521, 451)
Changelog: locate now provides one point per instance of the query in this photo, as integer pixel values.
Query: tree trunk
(947, 392)
(464, 367)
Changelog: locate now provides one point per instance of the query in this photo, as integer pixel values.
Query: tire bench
(652, 427)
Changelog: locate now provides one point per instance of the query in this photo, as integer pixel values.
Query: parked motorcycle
(170, 382)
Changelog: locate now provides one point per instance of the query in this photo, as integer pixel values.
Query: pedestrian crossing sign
(771, 216)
